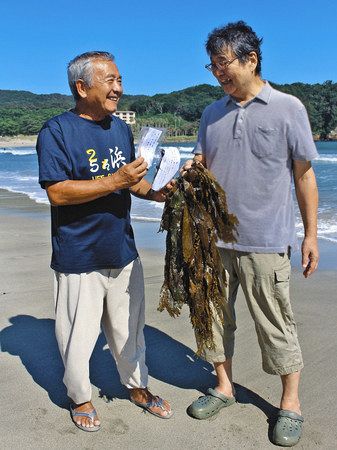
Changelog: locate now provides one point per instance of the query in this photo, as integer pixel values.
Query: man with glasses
(255, 140)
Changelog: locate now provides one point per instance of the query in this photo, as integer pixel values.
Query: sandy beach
(17, 141)
(27, 141)
(33, 398)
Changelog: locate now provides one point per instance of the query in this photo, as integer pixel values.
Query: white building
(128, 116)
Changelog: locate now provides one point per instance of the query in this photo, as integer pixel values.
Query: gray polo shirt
(250, 149)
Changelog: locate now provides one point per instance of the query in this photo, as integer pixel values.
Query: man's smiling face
(232, 74)
(103, 95)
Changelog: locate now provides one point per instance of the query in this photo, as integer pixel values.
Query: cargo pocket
(281, 287)
(264, 141)
(281, 277)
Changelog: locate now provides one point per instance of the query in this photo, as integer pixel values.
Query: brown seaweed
(195, 216)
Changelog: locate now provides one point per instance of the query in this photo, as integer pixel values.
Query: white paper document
(167, 168)
(148, 142)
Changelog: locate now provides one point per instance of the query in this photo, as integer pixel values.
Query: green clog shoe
(209, 405)
(288, 429)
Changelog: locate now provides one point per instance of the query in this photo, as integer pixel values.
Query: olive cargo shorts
(264, 278)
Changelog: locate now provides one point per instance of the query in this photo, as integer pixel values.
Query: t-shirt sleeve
(199, 149)
(300, 138)
(54, 161)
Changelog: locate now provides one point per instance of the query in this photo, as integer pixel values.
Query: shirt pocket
(264, 141)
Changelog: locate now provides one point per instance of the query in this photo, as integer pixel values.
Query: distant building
(128, 116)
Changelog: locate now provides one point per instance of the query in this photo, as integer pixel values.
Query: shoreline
(30, 141)
(147, 234)
(18, 141)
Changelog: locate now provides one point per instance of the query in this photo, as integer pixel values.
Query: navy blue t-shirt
(97, 234)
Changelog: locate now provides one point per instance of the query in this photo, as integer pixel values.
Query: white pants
(113, 299)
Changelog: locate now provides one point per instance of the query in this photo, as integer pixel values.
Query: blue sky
(159, 46)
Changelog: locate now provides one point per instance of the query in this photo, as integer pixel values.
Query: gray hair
(81, 68)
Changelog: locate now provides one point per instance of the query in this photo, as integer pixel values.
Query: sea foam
(17, 152)
(326, 159)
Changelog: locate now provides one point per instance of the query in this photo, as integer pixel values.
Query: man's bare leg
(225, 378)
(290, 399)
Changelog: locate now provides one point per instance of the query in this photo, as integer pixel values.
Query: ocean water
(19, 173)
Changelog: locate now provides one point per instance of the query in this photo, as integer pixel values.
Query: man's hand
(310, 256)
(188, 164)
(160, 196)
(130, 174)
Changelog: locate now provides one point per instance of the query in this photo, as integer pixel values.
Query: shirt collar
(263, 95)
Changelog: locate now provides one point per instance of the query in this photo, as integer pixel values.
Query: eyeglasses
(212, 67)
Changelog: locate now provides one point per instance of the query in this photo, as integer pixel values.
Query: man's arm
(75, 192)
(307, 197)
(143, 190)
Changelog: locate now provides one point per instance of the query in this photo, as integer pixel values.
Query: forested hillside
(23, 112)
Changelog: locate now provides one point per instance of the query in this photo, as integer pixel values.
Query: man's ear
(81, 88)
(253, 60)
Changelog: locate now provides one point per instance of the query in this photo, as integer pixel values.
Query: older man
(88, 167)
(255, 140)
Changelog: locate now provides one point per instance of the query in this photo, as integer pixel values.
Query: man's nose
(117, 87)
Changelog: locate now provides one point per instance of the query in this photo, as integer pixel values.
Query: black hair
(237, 36)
